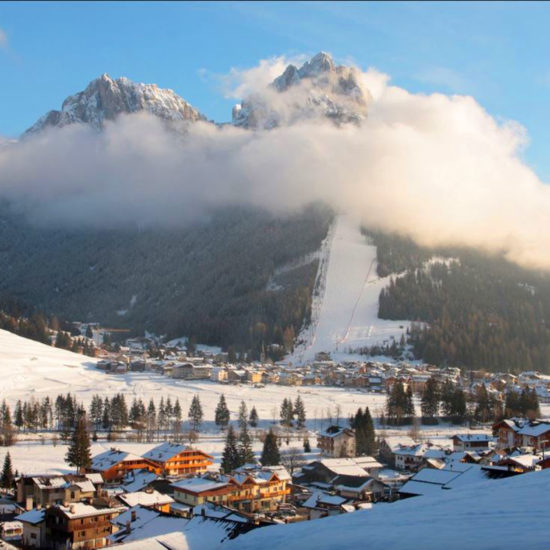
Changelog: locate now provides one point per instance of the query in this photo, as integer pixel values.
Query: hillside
(216, 280)
(481, 310)
(26, 365)
(500, 514)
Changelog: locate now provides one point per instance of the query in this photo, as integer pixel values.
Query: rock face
(318, 89)
(105, 98)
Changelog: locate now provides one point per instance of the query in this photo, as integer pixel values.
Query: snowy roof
(81, 510)
(95, 478)
(335, 431)
(199, 484)
(165, 451)
(319, 497)
(49, 482)
(343, 467)
(429, 480)
(136, 480)
(535, 430)
(169, 541)
(108, 459)
(32, 516)
(394, 442)
(153, 498)
(465, 438)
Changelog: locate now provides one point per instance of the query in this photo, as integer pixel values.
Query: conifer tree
(78, 454)
(7, 431)
(300, 413)
(195, 413)
(243, 416)
(6, 481)
(370, 446)
(307, 446)
(253, 420)
(287, 412)
(246, 454)
(430, 401)
(230, 457)
(221, 415)
(270, 453)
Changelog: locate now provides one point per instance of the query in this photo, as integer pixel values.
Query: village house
(471, 442)
(518, 432)
(34, 528)
(246, 490)
(191, 371)
(174, 459)
(337, 442)
(389, 445)
(114, 464)
(43, 491)
(149, 498)
(79, 526)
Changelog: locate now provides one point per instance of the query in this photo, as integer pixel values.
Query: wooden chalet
(114, 464)
(173, 459)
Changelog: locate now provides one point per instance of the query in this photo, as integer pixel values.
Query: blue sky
(497, 52)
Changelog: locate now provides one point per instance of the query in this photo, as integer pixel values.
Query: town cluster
(174, 492)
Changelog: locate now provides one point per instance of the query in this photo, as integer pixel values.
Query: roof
(465, 438)
(81, 510)
(108, 459)
(167, 450)
(335, 431)
(136, 480)
(343, 466)
(199, 484)
(153, 498)
(32, 516)
(320, 497)
(429, 481)
(394, 442)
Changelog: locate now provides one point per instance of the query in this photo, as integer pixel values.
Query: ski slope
(345, 315)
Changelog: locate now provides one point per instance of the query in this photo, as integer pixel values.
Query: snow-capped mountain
(105, 98)
(317, 89)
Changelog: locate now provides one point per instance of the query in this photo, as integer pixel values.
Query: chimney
(134, 515)
(72, 508)
(128, 528)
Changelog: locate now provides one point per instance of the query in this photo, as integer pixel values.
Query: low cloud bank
(435, 167)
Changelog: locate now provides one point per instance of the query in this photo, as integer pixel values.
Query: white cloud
(438, 168)
(240, 83)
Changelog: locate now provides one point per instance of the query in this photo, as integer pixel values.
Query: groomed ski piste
(345, 303)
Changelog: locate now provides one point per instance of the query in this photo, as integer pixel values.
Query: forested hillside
(482, 311)
(208, 280)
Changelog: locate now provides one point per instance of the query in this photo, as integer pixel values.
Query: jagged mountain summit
(105, 98)
(318, 89)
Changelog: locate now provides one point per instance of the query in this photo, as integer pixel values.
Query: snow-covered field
(30, 369)
(346, 315)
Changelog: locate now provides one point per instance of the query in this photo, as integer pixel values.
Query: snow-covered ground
(346, 314)
(505, 514)
(30, 369)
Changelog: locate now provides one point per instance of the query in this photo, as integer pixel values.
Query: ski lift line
(365, 282)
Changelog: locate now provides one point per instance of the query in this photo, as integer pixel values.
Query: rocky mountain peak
(105, 98)
(318, 89)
